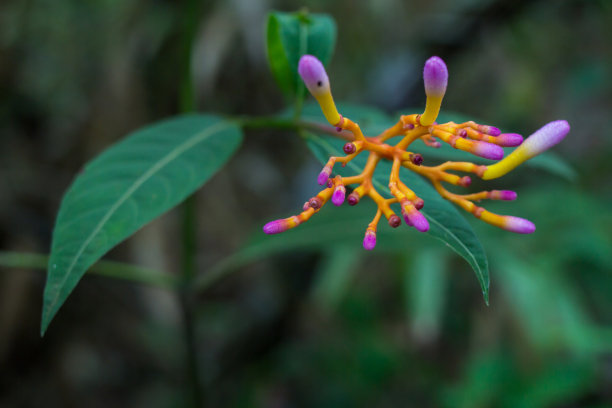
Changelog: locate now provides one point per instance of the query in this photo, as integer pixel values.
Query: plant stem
(187, 102)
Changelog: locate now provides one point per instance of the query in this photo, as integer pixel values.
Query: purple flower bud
(276, 227)
(490, 130)
(506, 195)
(418, 220)
(546, 137)
(338, 195)
(519, 225)
(465, 181)
(435, 76)
(395, 221)
(416, 159)
(315, 202)
(324, 175)
(313, 74)
(509, 139)
(369, 242)
(487, 150)
(353, 198)
(418, 203)
(349, 148)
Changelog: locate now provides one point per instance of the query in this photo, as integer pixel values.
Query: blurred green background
(316, 321)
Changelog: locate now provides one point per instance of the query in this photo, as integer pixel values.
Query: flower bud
(506, 195)
(518, 225)
(315, 202)
(414, 217)
(486, 150)
(490, 130)
(324, 175)
(435, 76)
(315, 78)
(338, 195)
(419, 221)
(353, 198)
(394, 221)
(543, 139)
(349, 148)
(509, 139)
(416, 159)
(465, 181)
(282, 225)
(369, 241)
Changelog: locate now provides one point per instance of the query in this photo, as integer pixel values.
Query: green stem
(189, 24)
(118, 270)
(303, 36)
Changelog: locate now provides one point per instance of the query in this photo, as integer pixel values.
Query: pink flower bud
(509, 139)
(324, 175)
(518, 225)
(418, 220)
(369, 242)
(490, 130)
(435, 76)
(487, 150)
(313, 74)
(506, 195)
(414, 217)
(315, 202)
(416, 159)
(338, 195)
(349, 148)
(276, 227)
(465, 181)
(546, 137)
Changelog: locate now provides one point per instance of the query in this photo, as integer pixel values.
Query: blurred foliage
(317, 325)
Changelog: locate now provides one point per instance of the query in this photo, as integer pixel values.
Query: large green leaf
(291, 35)
(127, 186)
(445, 221)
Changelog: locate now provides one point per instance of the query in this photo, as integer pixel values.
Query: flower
(480, 140)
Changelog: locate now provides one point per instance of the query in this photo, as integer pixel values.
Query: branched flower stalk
(480, 140)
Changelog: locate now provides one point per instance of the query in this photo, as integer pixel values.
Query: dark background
(332, 327)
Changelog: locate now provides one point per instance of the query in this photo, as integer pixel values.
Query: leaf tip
(485, 295)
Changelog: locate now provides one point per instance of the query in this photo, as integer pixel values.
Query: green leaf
(446, 223)
(127, 186)
(291, 35)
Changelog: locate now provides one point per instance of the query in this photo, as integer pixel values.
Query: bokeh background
(316, 324)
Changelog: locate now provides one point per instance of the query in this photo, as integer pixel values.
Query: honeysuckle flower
(480, 140)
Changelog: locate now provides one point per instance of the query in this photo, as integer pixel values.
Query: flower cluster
(480, 140)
